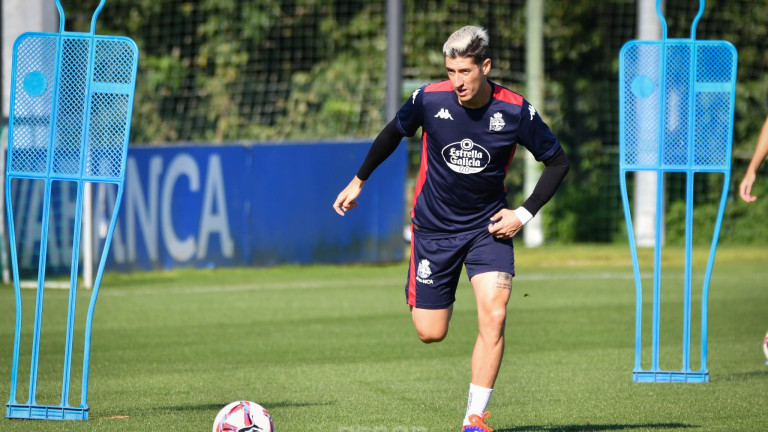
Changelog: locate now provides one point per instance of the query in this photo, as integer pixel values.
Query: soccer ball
(765, 347)
(243, 416)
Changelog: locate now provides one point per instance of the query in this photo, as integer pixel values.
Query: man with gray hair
(470, 129)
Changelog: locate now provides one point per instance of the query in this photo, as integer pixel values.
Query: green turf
(332, 348)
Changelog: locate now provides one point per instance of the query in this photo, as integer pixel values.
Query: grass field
(332, 348)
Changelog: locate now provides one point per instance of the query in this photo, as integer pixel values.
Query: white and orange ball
(243, 416)
(765, 347)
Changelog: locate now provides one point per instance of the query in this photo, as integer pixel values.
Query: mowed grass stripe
(333, 348)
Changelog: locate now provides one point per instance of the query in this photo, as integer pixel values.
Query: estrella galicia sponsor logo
(466, 157)
(424, 272)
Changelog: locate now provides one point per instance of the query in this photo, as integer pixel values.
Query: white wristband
(523, 214)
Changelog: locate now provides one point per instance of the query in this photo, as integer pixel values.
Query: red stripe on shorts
(412, 276)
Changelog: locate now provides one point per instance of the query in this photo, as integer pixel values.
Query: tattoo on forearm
(504, 281)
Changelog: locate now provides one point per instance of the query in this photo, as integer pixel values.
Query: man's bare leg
(492, 292)
(431, 324)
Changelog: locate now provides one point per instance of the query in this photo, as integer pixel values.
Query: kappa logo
(444, 114)
(532, 110)
(423, 272)
(497, 122)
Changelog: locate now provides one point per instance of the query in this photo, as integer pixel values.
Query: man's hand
(504, 224)
(346, 199)
(745, 188)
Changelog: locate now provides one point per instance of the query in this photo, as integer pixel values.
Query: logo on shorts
(423, 272)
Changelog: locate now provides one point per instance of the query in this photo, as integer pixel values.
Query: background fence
(222, 71)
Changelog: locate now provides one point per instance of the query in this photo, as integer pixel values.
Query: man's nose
(457, 80)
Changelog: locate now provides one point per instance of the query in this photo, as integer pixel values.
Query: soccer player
(761, 151)
(470, 128)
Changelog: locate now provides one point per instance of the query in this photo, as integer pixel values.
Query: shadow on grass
(267, 405)
(597, 427)
(744, 376)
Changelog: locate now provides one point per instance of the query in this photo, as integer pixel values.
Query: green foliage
(582, 47)
(743, 223)
(582, 73)
(342, 95)
(329, 104)
(251, 70)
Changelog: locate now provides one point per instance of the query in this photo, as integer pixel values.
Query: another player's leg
(492, 292)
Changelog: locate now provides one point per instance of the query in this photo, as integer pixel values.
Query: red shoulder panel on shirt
(507, 95)
(439, 86)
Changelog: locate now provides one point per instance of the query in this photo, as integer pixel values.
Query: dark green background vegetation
(256, 70)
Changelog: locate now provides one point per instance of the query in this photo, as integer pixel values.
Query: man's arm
(506, 223)
(555, 169)
(383, 146)
(761, 151)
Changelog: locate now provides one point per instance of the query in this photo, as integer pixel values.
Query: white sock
(477, 401)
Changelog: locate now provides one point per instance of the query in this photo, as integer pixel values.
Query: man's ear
(486, 66)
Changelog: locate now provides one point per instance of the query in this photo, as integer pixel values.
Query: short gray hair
(468, 41)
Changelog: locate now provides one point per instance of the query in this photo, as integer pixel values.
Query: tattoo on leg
(504, 281)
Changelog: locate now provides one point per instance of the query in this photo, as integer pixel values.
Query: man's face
(469, 80)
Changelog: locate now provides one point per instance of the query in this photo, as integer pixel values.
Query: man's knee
(431, 335)
(492, 323)
(497, 316)
(431, 324)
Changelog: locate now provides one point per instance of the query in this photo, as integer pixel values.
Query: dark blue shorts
(436, 260)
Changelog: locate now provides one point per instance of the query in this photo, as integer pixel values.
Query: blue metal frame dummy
(71, 105)
(676, 102)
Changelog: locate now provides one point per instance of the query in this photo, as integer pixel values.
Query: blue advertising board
(236, 205)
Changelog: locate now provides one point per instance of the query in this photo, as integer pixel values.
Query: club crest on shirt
(497, 122)
(466, 157)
